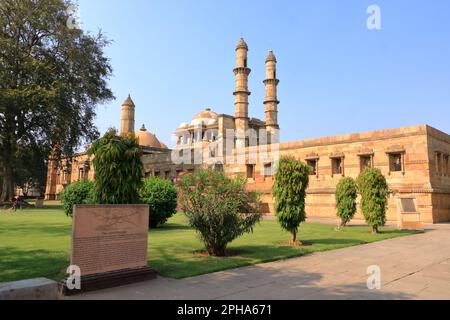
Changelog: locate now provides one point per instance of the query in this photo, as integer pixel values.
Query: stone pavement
(412, 267)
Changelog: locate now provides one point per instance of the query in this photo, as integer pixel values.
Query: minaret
(127, 123)
(271, 102)
(241, 92)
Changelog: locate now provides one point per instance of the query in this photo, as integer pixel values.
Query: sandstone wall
(413, 181)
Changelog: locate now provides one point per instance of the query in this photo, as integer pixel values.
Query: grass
(36, 243)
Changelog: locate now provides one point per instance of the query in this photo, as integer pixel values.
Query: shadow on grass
(56, 230)
(170, 227)
(196, 262)
(28, 264)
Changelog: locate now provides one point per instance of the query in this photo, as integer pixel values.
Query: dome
(271, 57)
(212, 122)
(184, 125)
(148, 139)
(128, 102)
(204, 117)
(242, 44)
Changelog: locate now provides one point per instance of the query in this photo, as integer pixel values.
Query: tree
(374, 192)
(30, 170)
(289, 191)
(346, 194)
(161, 196)
(78, 192)
(118, 169)
(219, 208)
(51, 79)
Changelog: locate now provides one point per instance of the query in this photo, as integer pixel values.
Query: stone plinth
(109, 243)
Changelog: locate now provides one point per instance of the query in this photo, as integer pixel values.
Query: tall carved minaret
(241, 92)
(271, 102)
(127, 122)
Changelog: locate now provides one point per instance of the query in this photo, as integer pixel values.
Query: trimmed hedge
(374, 192)
(346, 194)
(289, 191)
(80, 192)
(161, 196)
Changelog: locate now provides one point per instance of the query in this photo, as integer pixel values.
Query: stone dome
(184, 125)
(271, 57)
(204, 117)
(128, 102)
(242, 44)
(148, 139)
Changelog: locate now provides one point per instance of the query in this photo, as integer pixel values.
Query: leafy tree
(51, 79)
(30, 170)
(118, 169)
(219, 208)
(161, 196)
(346, 194)
(78, 192)
(374, 192)
(289, 191)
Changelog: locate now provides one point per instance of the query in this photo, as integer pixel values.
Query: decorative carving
(395, 149)
(312, 156)
(366, 152)
(337, 155)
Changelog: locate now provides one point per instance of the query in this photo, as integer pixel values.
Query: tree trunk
(294, 238)
(7, 188)
(375, 229)
(7, 183)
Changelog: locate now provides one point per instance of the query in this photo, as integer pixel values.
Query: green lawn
(36, 243)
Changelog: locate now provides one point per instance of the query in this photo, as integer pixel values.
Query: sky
(176, 58)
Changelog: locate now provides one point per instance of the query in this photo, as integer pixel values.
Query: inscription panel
(109, 238)
(408, 205)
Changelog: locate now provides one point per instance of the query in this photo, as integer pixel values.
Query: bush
(289, 191)
(219, 208)
(346, 194)
(161, 196)
(80, 192)
(374, 197)
(118, 169)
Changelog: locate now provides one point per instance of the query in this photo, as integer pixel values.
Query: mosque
(415, 160)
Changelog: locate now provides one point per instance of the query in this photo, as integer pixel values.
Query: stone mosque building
(415, 160)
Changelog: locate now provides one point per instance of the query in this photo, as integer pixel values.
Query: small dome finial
(271, 57)
(242, 44)
(128, 102)
(143, 128)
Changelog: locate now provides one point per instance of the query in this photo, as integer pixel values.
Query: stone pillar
(241, 92)
(271, 102)
(127, 120)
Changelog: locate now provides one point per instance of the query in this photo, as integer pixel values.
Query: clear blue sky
(176, 58)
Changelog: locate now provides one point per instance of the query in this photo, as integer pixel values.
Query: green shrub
(80, 192)
(219, 208)
(161, 196)
(346, 194)
(374, 192)
(118, 169)
(289, 191)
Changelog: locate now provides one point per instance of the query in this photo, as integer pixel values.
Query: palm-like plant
(118, 169)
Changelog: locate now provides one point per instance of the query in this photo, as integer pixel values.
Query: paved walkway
(413, 267)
